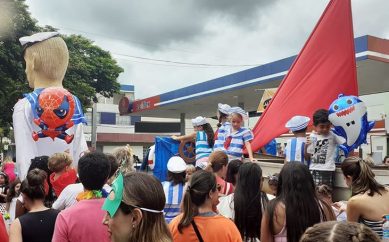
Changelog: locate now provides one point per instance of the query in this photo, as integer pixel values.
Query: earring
(133, 226)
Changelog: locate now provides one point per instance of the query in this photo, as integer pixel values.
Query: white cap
(297, 123)
(199, 121)
(38, 37)
(224, 108)
(176, 164)
(240, 111)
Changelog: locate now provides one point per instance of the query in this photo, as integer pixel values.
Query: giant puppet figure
(49, 119)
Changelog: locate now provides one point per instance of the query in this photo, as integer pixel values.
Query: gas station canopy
(245, 88)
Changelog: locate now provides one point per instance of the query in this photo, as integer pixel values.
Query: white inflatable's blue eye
(349, 101)
(336, 107)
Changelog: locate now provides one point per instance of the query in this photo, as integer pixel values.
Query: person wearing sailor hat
(239, 136)
(174, 187)
(204, 138)
(294, 150)
(223, 127)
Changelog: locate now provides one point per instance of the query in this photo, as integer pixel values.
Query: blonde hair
(339, 231)
(51, 58)
(125, 156)
(58, 161)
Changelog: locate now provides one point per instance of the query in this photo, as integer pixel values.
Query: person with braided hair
(339, 232)
(369, 200)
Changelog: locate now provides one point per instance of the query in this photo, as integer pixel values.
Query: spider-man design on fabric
(54, 109)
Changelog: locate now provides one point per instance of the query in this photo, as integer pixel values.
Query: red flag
(324, 68)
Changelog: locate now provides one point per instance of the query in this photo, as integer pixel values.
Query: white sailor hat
(297, 123)
(224, 108)
(240, 111)
(176, 164)
(199, 121)
(35, 38)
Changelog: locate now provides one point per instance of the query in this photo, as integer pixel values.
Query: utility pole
(94, 126)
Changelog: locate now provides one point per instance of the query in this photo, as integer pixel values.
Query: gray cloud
(198, 31)
(149, 24)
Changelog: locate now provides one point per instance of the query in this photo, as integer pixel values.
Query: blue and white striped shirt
(223, 132)
(202, 146)
(294, 150)
(174, 195)
(238, 138)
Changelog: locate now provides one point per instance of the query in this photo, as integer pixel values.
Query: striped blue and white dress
(173, 195)
(238, 138)
(222, 134)
(203, 150)
(294, 150)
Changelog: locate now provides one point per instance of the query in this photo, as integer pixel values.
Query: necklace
(87, 195)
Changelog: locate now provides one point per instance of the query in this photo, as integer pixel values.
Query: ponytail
(189, 211)
(362, 176)
(210, 134)
(221, 117)
(201, 183)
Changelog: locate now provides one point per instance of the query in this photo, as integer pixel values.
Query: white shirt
(324, 150)
(27, 148)
(68, 196)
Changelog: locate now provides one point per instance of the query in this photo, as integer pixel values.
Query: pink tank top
(281, 236)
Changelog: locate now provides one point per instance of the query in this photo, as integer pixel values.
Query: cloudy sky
(225, 35)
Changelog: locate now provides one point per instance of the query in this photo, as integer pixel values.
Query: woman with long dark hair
(370, 199)
(246, 206)
(295, 208)
(199, 221)
(232, 171)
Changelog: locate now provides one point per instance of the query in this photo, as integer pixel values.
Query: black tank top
(38, 226)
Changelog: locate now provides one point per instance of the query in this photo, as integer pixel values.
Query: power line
(184, 63)
(160, 60)
(173, 65)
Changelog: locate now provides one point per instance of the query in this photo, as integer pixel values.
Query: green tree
(15, 22)
(91, 70)
(94, 66)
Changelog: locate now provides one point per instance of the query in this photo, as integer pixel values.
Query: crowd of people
(220, 197)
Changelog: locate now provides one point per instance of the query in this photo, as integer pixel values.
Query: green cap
(112, 202)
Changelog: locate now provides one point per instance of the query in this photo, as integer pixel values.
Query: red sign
(145, 104)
